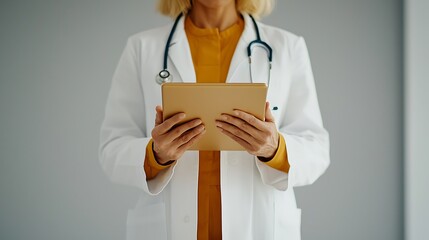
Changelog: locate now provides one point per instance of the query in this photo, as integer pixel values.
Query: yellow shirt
(212, 52)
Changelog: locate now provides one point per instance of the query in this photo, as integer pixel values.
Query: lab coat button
(186, 219)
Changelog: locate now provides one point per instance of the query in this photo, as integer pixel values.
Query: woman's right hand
(171, 139)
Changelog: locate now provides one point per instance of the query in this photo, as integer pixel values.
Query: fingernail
(198, 121)
(182, 115)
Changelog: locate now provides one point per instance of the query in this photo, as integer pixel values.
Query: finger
(158, 118)
(181, 129)
(236, 132)
(268, 114)
(250, 119)
(240, 141)
(241, 124)
(191, 142)
(187, 136)
(171, 122)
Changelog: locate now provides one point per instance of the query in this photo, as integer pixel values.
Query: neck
(220, 17)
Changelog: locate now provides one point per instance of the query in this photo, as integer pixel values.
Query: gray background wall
(416, 119)
(56, 63)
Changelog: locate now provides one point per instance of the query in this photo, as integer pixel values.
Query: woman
(214, 195)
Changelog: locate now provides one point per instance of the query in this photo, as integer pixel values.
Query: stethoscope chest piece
(164, 77)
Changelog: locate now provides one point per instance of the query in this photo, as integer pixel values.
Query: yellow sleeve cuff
(151, 166)
(280, 161)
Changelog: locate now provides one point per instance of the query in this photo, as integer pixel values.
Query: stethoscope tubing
(165, 76)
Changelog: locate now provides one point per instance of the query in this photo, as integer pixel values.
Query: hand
(171, 139)
(259, 138)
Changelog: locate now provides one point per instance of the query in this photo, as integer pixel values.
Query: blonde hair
(257, 8)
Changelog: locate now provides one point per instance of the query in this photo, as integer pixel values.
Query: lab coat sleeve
(123, 135)
(307, 141)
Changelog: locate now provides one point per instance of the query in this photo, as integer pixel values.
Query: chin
(214, 3)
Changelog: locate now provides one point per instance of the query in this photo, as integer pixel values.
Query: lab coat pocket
(289, 224)
(148, 223)
(275, 108)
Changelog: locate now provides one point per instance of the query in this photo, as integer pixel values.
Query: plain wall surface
(56, 63)
(416, 119)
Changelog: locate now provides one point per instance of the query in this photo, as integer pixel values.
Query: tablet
(208, 101)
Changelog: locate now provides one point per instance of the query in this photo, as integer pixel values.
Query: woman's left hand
(259, 138)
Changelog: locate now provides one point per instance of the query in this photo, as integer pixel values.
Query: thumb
(268, 115)
(158, 118)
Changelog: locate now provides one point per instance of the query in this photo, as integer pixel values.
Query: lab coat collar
(180, 53)
(240, 53)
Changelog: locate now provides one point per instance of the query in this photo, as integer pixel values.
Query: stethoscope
(164, 75)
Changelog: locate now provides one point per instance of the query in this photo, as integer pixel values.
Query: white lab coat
(258, 202)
